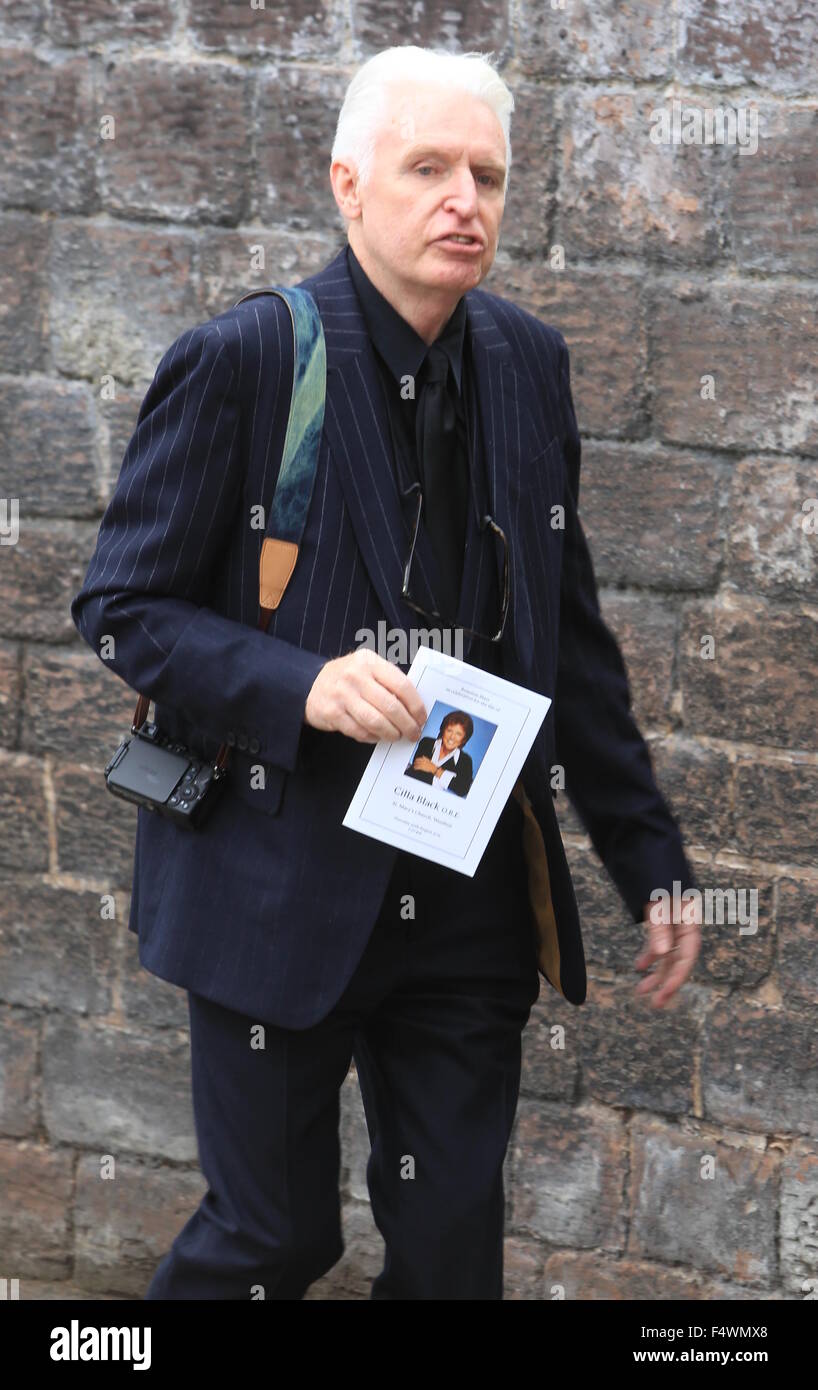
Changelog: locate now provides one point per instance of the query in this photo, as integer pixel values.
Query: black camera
(152, 770)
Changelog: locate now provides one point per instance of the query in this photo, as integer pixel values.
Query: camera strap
(294, 485)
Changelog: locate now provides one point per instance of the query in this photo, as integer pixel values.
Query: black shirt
(399, 353)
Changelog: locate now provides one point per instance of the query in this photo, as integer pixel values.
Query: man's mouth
(469, 243)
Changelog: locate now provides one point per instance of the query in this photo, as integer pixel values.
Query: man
(273, 915)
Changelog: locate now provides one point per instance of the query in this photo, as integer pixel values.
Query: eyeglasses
(433, 613)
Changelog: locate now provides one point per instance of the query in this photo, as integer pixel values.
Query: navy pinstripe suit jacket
(267, 908)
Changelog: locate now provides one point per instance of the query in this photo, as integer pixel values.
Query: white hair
(366, 101)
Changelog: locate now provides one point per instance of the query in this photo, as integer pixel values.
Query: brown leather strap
(141, 712)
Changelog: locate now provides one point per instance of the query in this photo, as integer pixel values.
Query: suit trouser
(433, 1016)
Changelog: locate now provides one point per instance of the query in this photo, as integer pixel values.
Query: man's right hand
(365, 697)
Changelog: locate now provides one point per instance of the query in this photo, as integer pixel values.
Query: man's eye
(492, 181)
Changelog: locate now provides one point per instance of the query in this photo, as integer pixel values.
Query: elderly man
(449, 436)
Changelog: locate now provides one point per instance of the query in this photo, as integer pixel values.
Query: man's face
(453, 736)
(438, 169)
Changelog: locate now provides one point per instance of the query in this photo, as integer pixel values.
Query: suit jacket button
(242, 741)
(254, 745)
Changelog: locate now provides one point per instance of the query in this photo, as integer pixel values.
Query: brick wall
(688, 300)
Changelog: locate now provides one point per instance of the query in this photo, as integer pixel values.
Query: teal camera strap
(294, 486)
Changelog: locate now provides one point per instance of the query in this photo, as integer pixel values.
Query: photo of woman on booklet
(443, 761)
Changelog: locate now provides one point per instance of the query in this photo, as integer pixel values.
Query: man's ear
(344, 182)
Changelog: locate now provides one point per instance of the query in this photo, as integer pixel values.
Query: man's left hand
(674, 945)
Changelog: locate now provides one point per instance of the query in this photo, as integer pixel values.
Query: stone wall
(655, 1154)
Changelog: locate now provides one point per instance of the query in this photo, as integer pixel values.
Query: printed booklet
(441, 796)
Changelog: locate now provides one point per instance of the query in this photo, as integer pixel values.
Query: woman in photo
(442, 761)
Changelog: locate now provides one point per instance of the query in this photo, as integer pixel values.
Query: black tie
(436, 432)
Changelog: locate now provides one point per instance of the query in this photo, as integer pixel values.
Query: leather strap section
(276, 564)
(141, 712)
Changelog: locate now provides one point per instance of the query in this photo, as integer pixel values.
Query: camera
(151, 770)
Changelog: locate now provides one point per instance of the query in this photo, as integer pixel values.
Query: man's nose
(463, 191)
